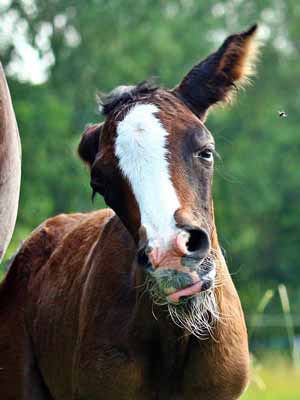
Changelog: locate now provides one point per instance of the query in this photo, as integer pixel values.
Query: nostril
(198, 242)
(143, 259)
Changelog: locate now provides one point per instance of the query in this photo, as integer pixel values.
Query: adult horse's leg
(10, 166)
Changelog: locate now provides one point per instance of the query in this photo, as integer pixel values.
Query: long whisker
(198, 315)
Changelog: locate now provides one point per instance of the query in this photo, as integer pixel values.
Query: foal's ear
(89, 143)
(215, 78)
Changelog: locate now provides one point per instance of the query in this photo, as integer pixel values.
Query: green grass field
(274, 380)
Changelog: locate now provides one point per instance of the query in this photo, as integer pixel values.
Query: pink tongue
(188, 291)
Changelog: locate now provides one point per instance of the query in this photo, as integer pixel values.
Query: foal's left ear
(215, 78)
(89, 143)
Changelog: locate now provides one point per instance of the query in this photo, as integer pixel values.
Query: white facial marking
(141, 149)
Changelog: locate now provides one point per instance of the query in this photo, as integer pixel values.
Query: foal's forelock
(141, 149)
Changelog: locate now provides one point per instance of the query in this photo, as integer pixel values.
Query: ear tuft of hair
(124, 94)
(216, 78)
(240, 57)
(89, 143)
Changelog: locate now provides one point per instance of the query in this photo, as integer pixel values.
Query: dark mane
(124, 94)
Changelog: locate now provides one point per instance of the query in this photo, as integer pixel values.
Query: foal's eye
(205, 154)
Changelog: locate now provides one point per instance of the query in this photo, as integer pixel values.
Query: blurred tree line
(99, 44)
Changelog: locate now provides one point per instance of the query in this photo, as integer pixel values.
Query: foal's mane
(125, 94)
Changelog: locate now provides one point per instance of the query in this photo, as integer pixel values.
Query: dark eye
(205, 154)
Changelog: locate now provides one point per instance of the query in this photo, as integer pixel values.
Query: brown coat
(77, 327)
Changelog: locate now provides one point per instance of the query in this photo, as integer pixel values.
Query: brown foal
(135, 301)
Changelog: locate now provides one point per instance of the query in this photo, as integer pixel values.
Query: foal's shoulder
(55, 229)
(63, 224)
(54, 233)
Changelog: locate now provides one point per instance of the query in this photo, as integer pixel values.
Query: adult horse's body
(10, 166)
(112, 304)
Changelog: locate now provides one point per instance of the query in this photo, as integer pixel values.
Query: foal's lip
(187, 291)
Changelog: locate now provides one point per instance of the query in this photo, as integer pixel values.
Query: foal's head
(152, 160)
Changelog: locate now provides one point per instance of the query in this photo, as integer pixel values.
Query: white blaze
(141, 149)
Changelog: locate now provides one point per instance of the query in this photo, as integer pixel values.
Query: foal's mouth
(178, 285)
(185, 293)
(189, 295)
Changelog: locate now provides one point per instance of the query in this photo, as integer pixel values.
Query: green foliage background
(97, 45)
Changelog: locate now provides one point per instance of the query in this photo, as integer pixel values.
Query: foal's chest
(138, 373)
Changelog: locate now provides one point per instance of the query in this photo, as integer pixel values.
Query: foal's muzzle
(178, 270)
(190, 242)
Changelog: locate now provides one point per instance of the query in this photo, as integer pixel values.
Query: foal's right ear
(216, 78)
(89, 143)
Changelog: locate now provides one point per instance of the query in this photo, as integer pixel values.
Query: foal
(113, 304)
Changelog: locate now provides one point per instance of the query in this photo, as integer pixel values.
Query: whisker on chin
(153, 313)
(197, 317)
(143, 291)
(199, 314)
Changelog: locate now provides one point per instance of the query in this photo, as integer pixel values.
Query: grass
(275, 379)
(2, 273)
